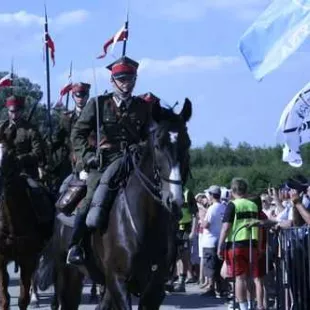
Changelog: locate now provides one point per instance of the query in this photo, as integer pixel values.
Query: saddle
(70, 198)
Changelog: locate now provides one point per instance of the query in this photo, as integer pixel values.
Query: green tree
(262, 167)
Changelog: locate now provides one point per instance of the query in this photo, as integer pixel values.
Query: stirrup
(77, 259)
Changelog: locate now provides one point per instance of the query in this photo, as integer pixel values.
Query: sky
(186, 48)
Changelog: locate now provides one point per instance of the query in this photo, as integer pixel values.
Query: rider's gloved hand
(92, 162)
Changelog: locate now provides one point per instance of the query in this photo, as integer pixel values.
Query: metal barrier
(290, 255)
(293, 269)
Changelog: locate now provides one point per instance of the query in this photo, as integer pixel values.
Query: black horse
(136, 253)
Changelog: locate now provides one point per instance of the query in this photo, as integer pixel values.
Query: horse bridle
(153, 188)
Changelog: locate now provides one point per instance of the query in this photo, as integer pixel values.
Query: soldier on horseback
(123, 122)
(61, 143)
(28, 146)
(80, 95)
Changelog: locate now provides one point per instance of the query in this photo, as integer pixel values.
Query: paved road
(190, 300)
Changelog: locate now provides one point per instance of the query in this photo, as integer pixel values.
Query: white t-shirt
(214, 217)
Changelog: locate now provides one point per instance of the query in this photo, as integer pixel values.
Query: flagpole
(126, 29)
(67, 98)
(48, 86)
(12, 76)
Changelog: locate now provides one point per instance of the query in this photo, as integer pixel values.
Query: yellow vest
(186, 215)
(245, 211)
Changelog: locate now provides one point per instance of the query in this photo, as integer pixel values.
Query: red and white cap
(124, 66)
(15, 101)
(79, 87)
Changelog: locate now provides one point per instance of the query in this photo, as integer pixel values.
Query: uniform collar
(119, 101)
(78, 111)
(15, 123)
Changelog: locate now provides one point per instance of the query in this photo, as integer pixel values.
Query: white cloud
(86, 75)
(21, 18)
(191, 10)
(158, 67)
(71, 18)
(25, 19)
(185, 64)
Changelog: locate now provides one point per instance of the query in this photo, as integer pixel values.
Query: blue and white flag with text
(275, 35)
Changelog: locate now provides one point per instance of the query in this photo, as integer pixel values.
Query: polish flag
(6, 81)
(66, 89)
(121, 35)
(51, 46)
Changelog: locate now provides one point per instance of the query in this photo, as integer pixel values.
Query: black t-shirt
(229, 214)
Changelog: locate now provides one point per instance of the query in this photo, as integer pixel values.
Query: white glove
(83, 175)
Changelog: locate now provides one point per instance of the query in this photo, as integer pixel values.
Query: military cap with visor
(14, 103)
(124, 67)
(80, 89)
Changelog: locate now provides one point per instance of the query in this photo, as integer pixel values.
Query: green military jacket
(28, 143)
(113, 127)
(61, 141)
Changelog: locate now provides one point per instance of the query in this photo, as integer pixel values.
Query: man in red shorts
(240, 212)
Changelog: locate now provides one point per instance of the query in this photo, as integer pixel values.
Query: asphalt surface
(189, 300)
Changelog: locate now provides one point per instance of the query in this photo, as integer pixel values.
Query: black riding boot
(98, 215)
(76, 254)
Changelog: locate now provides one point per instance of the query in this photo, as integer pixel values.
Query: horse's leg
(27, 269)
(153, 298)
(4, 283)
(105, 302)
(93, 293)
(34, 296)
(71, 291)
(116, 284)
(55, 301)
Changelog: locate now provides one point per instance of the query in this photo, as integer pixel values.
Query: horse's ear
(186, 112)
(156, 112)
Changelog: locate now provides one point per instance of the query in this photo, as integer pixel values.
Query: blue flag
(275, 35)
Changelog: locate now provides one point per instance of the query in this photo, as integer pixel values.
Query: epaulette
(101, 97)
(149, 97)
(68, 112)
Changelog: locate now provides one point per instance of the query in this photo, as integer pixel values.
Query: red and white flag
(121, 35)
(51, 46)
(66, 89)
(6, 81)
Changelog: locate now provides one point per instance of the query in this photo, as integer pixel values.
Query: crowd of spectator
(217, 248)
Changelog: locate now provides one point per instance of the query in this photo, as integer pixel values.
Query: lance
(12, 76)
(126, 30)
(48, 86)
(33, 108)
(70, 76)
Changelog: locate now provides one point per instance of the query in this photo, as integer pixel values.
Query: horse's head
(171, 145)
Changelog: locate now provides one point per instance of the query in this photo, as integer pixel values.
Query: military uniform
(29, 149)
(62, 144)
(122, 124)
(66, 123)
(26, 139)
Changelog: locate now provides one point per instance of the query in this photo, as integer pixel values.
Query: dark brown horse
(137, 251)
(20, 238)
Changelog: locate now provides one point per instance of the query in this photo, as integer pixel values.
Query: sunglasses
(80, 94)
